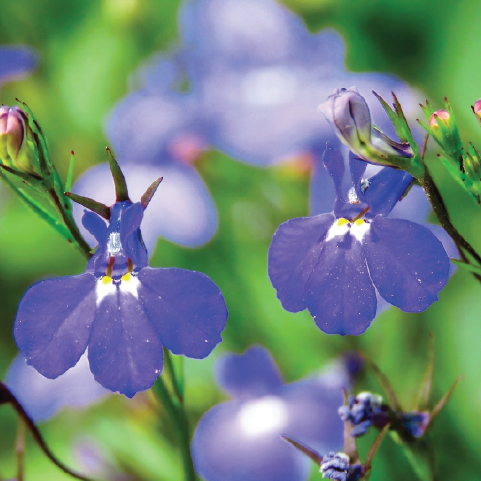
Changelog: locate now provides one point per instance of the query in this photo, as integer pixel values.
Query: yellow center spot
(342, 221)
(126, 277)
(359, 221)
(106, 280)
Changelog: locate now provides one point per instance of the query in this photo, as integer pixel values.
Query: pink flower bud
(439, 114)
(12, 133)
(15, 134)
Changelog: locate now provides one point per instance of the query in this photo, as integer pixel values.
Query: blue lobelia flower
(121, 309)
(332, 264)
(240, 440)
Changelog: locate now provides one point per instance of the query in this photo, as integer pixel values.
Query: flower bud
(348, 113)
(15, 133)
(442, 115)
(444, 130)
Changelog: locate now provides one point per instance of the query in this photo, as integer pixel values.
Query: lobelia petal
(339, 293)
(186, 308)
(385, 190)
(293, 255)
(251, 374)
(95, 225)
(52, 326)
(125, 352)
(334, 163)
(407, 263)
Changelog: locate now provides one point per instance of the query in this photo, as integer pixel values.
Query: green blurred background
(88, 50)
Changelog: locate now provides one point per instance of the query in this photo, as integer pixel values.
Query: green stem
(175, 376)
(177, 415)
(70, 223)
(439, 208)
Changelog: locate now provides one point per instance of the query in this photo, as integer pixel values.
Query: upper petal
(186, 308)
(339, 293)
(293, 254)
(125, 352)
(251, 374)
(407, 263)
(52, 326)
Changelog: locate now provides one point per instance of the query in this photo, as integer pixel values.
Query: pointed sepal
(149, 193)
(121, 192)
(101, 209)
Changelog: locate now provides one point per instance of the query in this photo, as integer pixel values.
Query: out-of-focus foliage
(88, 49)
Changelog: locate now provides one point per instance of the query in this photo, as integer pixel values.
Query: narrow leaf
(375, 446)
(440, 405)
(386, 385)
(68, 183)
(427, 382)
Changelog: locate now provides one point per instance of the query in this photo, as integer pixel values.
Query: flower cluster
(241, 439)
(121, 309)
(332, 264)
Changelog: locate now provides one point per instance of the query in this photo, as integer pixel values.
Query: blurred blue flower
(260, 74)
(239, 440)
(15, 62)
(43, 398)
(121, 309)
(332, 264)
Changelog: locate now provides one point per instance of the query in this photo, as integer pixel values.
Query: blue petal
(95, 225)
(385, 190)
(293, 254)
(52, 326)
(125, 352)
(251, 374)
(357, 168)
(186, 308)
(340, 295)
(334, 164)
(407, 263)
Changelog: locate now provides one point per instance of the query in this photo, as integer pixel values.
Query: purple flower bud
(364, 410)
(347, 112)
(349, 116)
(14, 133)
